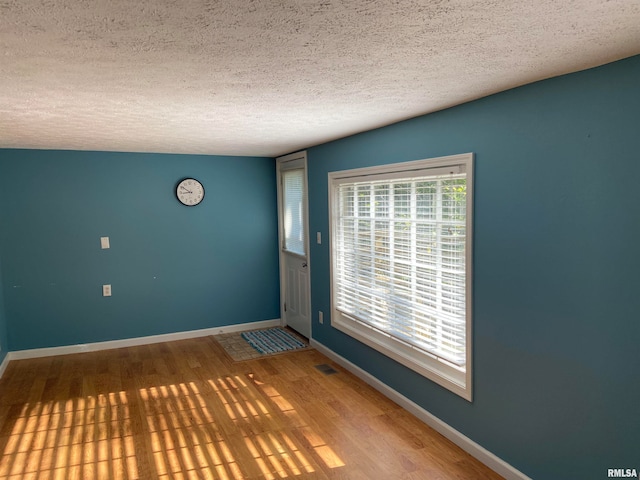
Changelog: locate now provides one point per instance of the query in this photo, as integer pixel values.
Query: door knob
(304, 265)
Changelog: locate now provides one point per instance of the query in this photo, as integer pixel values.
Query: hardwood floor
(184, 410)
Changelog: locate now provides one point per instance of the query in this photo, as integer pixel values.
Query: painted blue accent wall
(3, 322)
(556, 332)
(172, 268)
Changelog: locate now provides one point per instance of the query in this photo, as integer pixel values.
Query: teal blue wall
(556, 334)
(3, 321)
(172, 268)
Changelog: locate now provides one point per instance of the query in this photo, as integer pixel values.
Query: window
(293, 200)
(401, 263)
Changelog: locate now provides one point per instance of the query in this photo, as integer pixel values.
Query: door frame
(293, 161)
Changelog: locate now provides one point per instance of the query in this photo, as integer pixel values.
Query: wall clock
(190, 192)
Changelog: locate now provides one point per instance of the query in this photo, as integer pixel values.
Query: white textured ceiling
(260, 77)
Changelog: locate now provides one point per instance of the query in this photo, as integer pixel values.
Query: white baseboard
(485, 456)
(132, 342)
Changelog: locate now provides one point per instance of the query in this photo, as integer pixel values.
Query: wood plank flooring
(184, 410)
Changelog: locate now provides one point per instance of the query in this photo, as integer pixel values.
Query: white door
(294, 242)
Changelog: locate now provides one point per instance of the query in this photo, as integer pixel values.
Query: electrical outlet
(106, 290)
(320, 317)
(104, 243)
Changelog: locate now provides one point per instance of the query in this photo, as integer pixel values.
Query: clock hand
(188, 191)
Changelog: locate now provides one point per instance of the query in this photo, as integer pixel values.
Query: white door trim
(290, 162)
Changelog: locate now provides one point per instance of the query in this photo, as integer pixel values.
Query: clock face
(190, 192)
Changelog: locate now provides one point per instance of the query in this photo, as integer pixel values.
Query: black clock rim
(190, 178)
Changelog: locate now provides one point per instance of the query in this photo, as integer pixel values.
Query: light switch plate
(319, 238)
(104, 242)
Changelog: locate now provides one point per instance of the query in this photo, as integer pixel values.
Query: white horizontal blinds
(400, 259)
(294, 200)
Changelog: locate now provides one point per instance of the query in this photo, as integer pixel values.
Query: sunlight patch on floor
(86, 437)
(245, 428)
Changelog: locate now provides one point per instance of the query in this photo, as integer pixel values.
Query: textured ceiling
(259, 77)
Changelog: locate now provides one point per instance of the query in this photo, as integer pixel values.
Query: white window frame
(456, 379)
